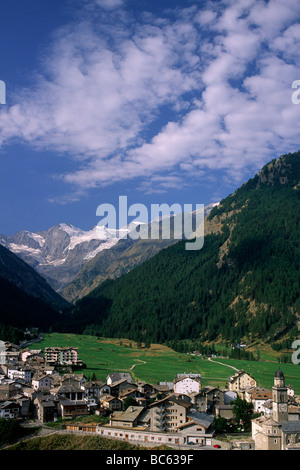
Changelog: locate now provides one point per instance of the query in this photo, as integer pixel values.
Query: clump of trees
(241, 422)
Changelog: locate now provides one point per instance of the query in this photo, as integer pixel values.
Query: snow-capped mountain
(59, 253)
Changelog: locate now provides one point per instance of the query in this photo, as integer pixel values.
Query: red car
(217, 446)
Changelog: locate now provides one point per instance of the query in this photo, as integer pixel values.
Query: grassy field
(160, 363)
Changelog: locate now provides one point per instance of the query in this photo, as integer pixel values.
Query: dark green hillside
(19, 273)
(244, 283)
(26, 298)
(19, 310)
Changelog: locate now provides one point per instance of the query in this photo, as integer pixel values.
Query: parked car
(217, 446)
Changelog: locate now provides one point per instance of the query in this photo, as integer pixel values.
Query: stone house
(25, 405)
(145, 389)
(73, 408)
(41, 382)
(199, 401)
(129, 393)
(96, 388)
(213, 396)
(118, 387)
(241, 381)
(110, 403)
(46, 408)
(71, 389)
(9, 409)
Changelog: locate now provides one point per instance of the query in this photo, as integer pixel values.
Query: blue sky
(161, 101)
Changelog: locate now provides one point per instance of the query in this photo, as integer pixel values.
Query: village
(177, 414)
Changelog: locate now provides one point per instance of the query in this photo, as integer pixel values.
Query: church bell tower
(280, 398)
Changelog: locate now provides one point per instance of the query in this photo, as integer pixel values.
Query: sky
(164, 101)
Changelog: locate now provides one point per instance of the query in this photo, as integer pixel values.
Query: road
(222, 364)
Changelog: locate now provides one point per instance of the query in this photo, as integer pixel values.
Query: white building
(9, 409)
(229, 397)
(41, 382)
(19, 373)
(186, 384)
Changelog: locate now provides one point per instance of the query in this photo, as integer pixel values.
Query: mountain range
(58, 253)
(243, 283)
(74, 261)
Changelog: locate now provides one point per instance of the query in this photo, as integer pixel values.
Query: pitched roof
(203, 419)
(291, 426)
(172, 398)
(129, 415)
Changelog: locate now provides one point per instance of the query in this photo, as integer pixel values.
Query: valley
(160, 363)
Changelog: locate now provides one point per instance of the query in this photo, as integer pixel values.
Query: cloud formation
(165, 97)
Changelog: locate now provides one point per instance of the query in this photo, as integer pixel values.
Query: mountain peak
(284, 170)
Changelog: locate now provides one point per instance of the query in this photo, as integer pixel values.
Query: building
(186, 384)
(198, 430)
(134, 416)
(117, 376)
(224, 411)
(199, 401)
(168, 414)
(241, 381)
(135, 425)
(280, 398)
(110, 403)
(258, 396)
(71, 389)
(61, 356)
(17, 372)
(73, 408)
(41, 382)
(46, 408)
(96, 388)
(213, 397)
(31, 354)
(277, 432)
(9, 409)
(116, 388)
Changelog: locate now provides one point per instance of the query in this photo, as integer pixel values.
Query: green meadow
(160, 363)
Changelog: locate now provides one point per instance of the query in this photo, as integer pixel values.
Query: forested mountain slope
(23, 276)
(244, 282)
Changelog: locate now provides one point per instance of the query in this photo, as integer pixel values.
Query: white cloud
(109, 4)
(223, 75)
